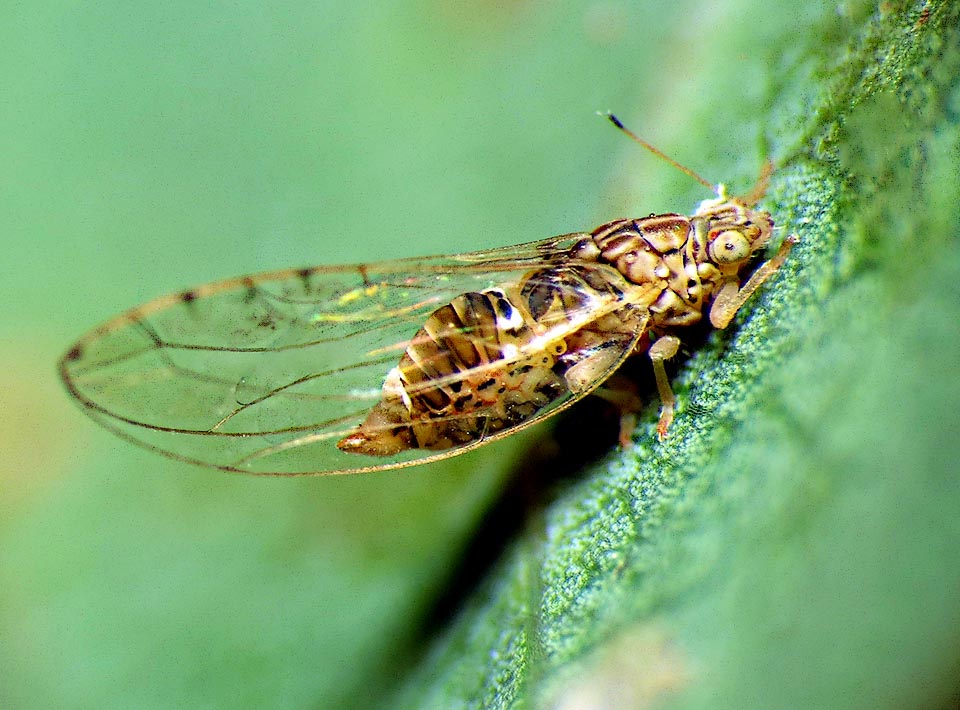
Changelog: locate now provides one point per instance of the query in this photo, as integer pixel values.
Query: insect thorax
(688, 258)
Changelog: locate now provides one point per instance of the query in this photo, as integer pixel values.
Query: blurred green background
(147, 148)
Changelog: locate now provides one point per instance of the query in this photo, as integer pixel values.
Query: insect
(349, 369)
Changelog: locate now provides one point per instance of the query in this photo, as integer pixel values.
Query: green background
(795, 542)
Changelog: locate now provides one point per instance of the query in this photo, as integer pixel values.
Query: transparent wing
(264, 374)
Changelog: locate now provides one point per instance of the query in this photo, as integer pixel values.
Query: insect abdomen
(487, 361)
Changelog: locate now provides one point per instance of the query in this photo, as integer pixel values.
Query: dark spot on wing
(188, 297)
(76, 352)
(305, 275)
(250, 292)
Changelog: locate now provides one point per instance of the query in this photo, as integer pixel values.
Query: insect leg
(621, 391)
(662, 350)
(600, 348)
(732, 296)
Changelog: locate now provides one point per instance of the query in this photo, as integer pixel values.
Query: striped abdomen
(488, 361)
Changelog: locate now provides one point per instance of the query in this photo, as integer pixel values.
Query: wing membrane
(264, 374)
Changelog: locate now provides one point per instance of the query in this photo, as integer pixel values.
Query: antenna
(659, 153)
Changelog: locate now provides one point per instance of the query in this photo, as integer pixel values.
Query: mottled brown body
(491, 360)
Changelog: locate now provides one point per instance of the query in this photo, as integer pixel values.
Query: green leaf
(794, 542)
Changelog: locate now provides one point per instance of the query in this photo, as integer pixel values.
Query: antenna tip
(614, 120)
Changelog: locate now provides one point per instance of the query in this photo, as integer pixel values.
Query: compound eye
(729, 246)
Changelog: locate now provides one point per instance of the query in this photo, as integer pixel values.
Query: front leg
(732, 296)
